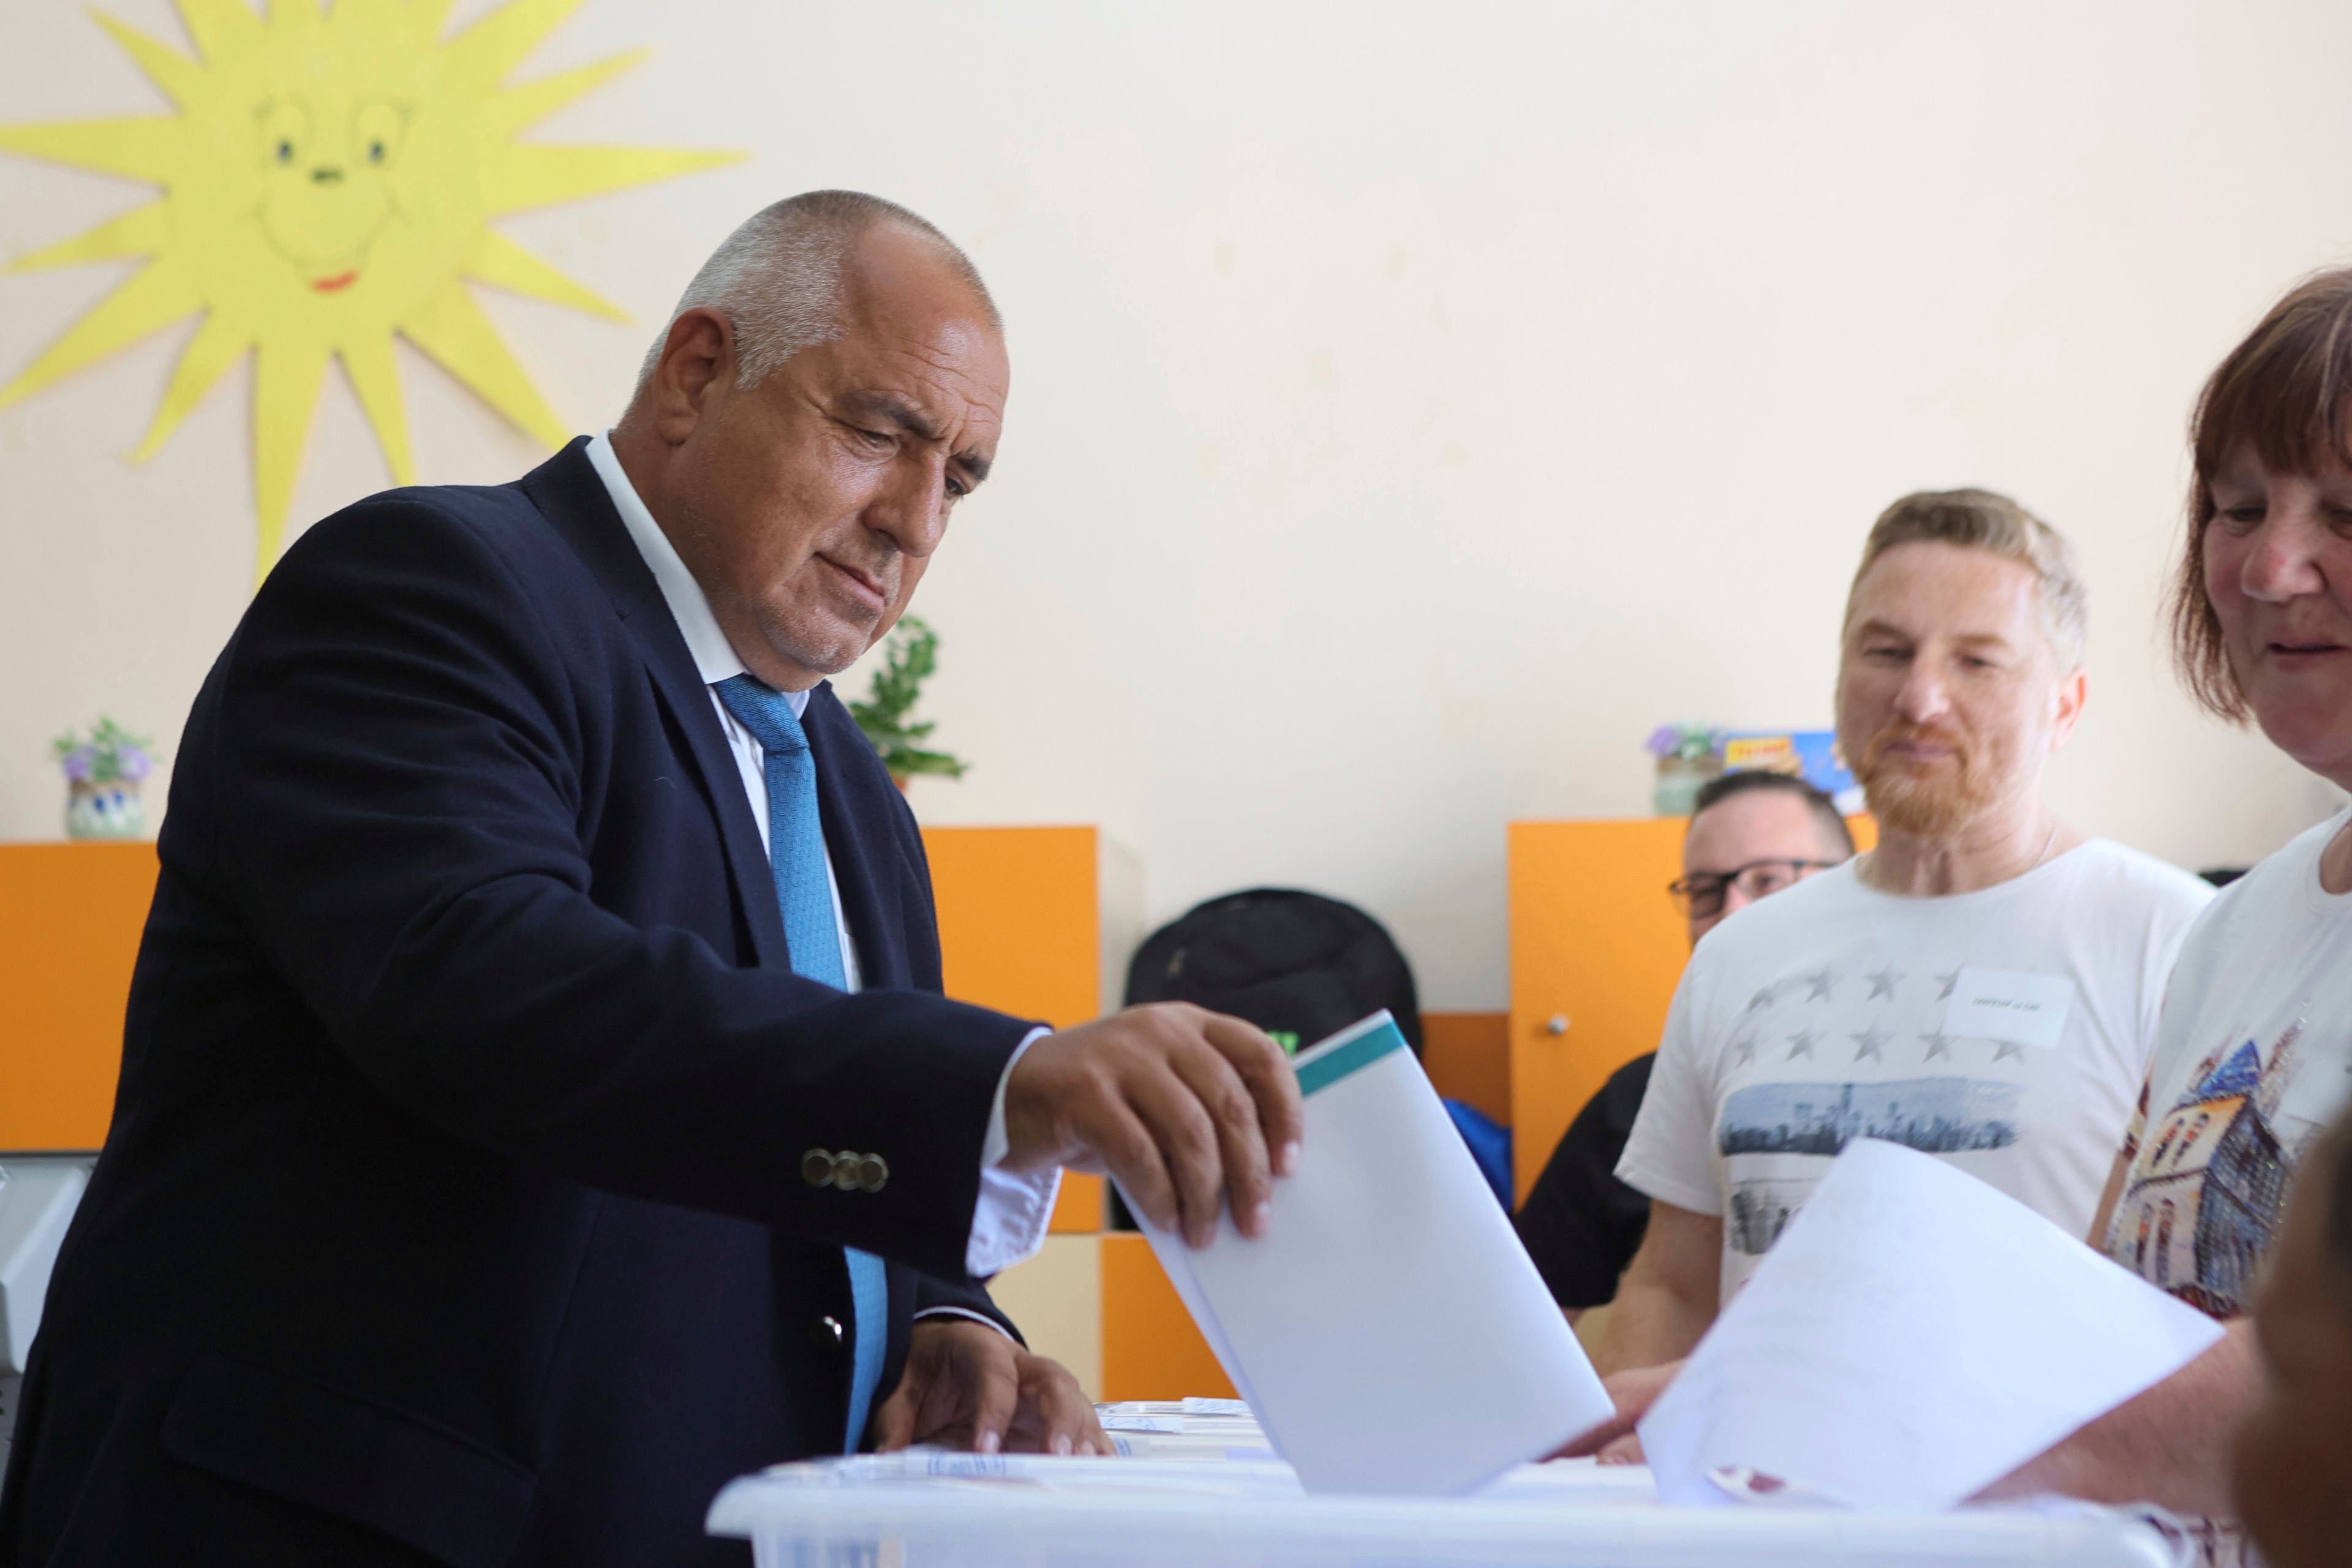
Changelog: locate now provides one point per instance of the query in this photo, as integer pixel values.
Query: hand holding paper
(1389, 1330)
(1189, 1111)
(1914, 1336)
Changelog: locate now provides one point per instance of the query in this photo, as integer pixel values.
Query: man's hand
(1614, 1440)
(1188, 1108)
(968, 1386)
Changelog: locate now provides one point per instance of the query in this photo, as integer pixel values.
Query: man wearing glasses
(1982, 987)
(1750, 835)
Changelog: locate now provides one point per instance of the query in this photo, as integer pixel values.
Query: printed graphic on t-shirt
(2209, 1184)
(1934, 1115)
(1859, 1029)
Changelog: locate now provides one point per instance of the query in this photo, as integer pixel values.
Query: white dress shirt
(1009, 1222)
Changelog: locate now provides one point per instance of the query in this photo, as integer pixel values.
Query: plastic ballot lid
(925, 1507)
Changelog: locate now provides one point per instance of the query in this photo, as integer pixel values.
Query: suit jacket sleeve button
(845, 1170)
(872, 1172)
(816, 1167)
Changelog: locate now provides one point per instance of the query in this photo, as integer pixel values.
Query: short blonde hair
(1986, 521)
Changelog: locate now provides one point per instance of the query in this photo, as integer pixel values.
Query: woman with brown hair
(2254, 1055)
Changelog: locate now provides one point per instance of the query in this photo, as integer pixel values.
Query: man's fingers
(1056, 1417)
(996, 1398)
(1626, 1450)
(1265, 1072)
(894, 1424)
(1634, 1391)
(1240, 1151)
(1131, 1155)
(1187, 1138)
(1597, 1438)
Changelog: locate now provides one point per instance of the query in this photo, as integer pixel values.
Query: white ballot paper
(1913, 1336)
(1389, 1330)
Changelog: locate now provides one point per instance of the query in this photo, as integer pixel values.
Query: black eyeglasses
(1702, 893)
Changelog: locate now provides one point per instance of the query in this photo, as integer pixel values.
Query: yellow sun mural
(329, 180)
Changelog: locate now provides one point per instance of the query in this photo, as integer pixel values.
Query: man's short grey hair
(777, 279)
(1990, 521)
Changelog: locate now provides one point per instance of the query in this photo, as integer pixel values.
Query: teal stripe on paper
(1356, 1055)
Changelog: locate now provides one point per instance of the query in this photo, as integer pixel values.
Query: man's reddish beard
(1934, 804)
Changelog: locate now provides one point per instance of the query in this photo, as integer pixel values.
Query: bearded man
(1983, 985)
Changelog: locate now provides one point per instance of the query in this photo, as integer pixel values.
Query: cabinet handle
(1556, 1025)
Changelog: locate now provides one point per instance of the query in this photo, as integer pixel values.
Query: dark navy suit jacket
(452, 1209)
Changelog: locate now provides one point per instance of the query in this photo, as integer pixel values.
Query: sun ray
(142, 147)
(286, 376)
(139, 232)
(181, 79)
(525, 105)
(452, 329)
(506, 265)
(216, 26)
(525, 176)
(216, 346)
(428, 17)
(151, 301)
(332, 163)
(484, 54)
(375, 376)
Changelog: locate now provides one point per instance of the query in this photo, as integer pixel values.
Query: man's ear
(698, 358)
(2073, 692)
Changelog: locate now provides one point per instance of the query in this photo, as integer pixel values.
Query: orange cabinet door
(1020, 931)
(1596, 949)
(71, 915)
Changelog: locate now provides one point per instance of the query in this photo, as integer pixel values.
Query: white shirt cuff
(1008, 1223)
(931, 1312)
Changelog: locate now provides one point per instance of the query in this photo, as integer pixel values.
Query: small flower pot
(113, 809)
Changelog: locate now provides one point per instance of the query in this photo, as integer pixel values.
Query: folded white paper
(1914, 1336)
(1389, 1330)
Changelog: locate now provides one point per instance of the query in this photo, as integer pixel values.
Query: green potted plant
(887, 716)
(104, 771)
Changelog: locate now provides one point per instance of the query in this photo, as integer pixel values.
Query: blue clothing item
(1490, 1145)
(812, 941)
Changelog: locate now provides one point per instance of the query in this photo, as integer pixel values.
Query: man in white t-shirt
(1984, 985)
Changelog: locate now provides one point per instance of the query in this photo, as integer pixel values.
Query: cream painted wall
(1414, 405)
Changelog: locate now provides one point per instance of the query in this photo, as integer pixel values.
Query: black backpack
(1299, 966)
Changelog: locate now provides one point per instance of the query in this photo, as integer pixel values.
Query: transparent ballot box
(1201, 1509)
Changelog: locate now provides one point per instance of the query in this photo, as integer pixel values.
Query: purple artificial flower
(1664, 741)
(79, 763)
(132, 764)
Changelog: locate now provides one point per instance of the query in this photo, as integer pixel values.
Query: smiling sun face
(329, 180)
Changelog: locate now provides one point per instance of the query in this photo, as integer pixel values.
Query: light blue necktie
(804, 893)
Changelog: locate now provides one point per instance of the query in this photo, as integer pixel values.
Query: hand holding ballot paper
(1388, 1329)
(1189, 1111)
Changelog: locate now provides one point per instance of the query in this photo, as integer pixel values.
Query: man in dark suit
(537, 1106)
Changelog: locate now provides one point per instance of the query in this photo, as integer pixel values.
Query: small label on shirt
(2004, 1005)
